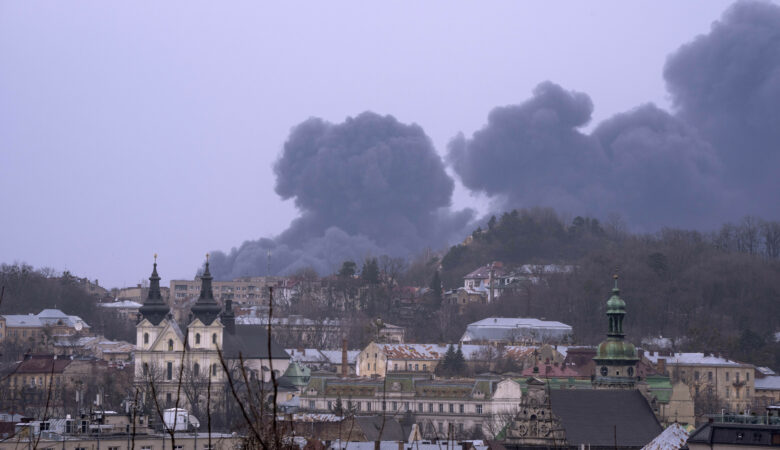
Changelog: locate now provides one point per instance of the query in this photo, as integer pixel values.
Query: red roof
(42, 364)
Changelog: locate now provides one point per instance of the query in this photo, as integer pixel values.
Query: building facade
(210, 347)
(440, 407)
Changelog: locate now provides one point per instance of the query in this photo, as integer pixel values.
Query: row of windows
(697, 377)
(460, 408)
(169, 370)
(170, 341)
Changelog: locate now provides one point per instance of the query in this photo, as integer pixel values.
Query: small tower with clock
(615, 358)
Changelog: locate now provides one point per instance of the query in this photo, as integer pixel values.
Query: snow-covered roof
(129, 304)
(316, 356)
(515, 328)
(435, 351)
(672, 438)
(46, 317)
(766, 371)
(694, 359)
(768, 383)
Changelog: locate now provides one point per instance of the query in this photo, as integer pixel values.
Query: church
(179, 366)
(613, 414)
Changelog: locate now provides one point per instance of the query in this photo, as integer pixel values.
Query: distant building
(767, 392)
(126, 309)
(491, 281)
(440, 407)
(324, 360)
(380, 359)
(35, 329)
(705, 373)
(243, 290)
(494, 330)
(716, 435)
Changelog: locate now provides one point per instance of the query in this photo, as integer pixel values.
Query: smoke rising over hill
(365, 187)
(372, 185)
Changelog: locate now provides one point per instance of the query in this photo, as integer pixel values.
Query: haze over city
(339, 131)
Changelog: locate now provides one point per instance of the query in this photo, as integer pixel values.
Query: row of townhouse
(467, 407)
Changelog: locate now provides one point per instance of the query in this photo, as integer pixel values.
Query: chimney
(490, 284)
(661, 366)
(344, 366)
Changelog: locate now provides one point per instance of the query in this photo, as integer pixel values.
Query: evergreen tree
(348, 269)
(446, 366)
(436, 290)
(370, 271)
(459, 362)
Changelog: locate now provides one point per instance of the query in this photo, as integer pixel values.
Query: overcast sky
(140, 127)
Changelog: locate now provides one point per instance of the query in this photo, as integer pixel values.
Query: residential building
(95, 346)
(39, 329)
(767, 392)
(708, 373)
(324, 360)
(509, 330)
(127, 309)
(719, 435)
(379, 359)
(243, 290)
(440, 407)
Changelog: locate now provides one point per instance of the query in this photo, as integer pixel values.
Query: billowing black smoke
(365, 187)
(715, 159)
(372, 185)
(727, 85)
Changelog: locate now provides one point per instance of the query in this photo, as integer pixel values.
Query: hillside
(719, 290)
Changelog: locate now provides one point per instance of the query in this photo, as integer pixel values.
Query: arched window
(170, 345)
(214, 338)
(196, 369)
(197, 338)
(146, 338)
(214, 369)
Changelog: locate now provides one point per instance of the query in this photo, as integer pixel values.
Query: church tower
(153, 315)
(205, 330)
(616, 358)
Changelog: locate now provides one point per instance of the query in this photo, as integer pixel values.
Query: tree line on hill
(715, 291)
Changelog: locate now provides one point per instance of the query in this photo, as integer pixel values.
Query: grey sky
(133, 128)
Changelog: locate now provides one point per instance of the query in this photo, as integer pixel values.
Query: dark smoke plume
(368, 186)
(727, 84)
(644, 164)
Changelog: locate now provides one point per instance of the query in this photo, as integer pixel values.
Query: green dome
(616, 349)
(615, 304)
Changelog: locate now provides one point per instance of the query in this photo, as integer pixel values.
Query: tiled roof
(598, 417)
(42, 364)
(251, 342)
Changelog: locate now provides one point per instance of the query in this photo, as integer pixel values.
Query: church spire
(206, 308)
(154, 308)
(615, 358)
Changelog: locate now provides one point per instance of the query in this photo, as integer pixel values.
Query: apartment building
(465, 407)
(243, 291)
(710, 373)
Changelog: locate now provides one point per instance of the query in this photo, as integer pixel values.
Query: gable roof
(42, 364)
(595, 416)
(251, 342)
